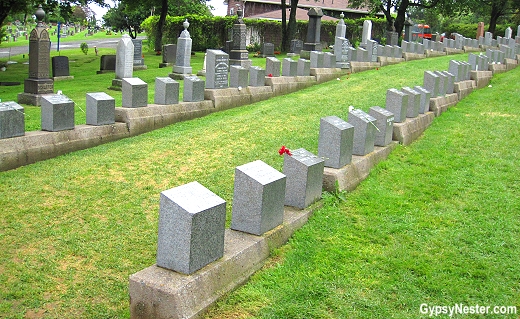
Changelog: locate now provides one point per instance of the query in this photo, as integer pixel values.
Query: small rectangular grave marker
(335, 141)
(397, 103)
(256, 76)
(289, 67)
(166, 91)
(304, 67)
(217, 65)
(12, 120)
(272, 66)
(425, 99)
(193, 89)
(414, 102)
(364, 131)
(238, 76)
(385, 124)
(57, 113)
(134, 92)
(100, 109)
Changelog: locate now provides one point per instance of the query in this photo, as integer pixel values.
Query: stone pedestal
(364, 132)
(12, 120)
(335, 141)
(134, 93)
(57, 113)
(100, 109)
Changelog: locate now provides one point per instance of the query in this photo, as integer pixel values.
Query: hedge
(470, 30)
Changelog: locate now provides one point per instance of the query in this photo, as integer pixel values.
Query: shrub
(84, 47)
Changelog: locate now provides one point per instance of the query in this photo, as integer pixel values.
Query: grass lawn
(436, 223)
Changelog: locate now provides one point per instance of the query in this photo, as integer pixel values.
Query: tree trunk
(388, 15)
(285, 35)
(291, 28)
(401, 17)
(160, 27)
(496, 12)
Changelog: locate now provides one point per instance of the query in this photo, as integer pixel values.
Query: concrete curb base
(408, 131)
(161, 293)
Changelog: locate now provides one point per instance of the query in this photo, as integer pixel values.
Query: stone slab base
(408, 131)
(165, 65)
(349, 176)
(228, 98)
(482, 78)
(145, 119)
(259, 93)
(281, 85)
(62, 78)
(511, 64)
(327, 74)
(179, 76)
(433, 53)
(440, 104)
(30, 99)
(383, 60)
(464, 88)
(470, 49)
(413, 56)
(497, 68)
(356, 67)
(140, 67)
(158, 293)
(450, 51)
(39, 145)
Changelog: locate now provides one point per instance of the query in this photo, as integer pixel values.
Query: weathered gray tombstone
(272, 66)
(316, 59)
(258, 198)
(304, 178)
(312, 41)
(431, 83)
(100, 109)
(138, 54)
(134, 92)
(329, 60)
(443, 83)
(361, 55)
(39, 81)
(508, 33)
(341, 29)
(304, 67)
(335, 141)
(397, 103)
(367, 31)
(12, 120)
(256, 76)
(488, 37)
(296, 46)
(398, 52)
(425, 99)
(192, 222)
(124, 58)
(472, 60)
(392, 37)
(193, 89)
(183, 54)
(238, 76)
(60, 66)
(364, 132)
(239, 54)
(384, 123)
(414, 102)
(267, 50)
(217, 66)
(169, 53)
(405, 45)
(57, 113)
(449, 81)
(289, 67)
(342, 51)
(457, 69)
(166, 91)
(107, 64)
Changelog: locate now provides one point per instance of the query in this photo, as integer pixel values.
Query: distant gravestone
(57, 113)
(169, 54)
(414, 102)
(456, 69)
(431, 83)
(192, 222)
(342, 53)
(239, 54)
(384, 123)
(193, 89)
(367, 31)
(60, 66)
(107, 64)
(508, 33)
(425, 99)
(316, 59)
(296, 46)
(138, 54)
(312, 41)
(364, 132)
(183, 54)
(124, 58)
(272, 66)
(256, 76)
(267, 50)
(335, 141)
(238, 76)
(392, 37)
(134, 92)
(397, 103)
(258, 198)
(488, 37)
(304, 178)
(166, 91)
(12, 120)
(217, 66)
(480, 30)
(100, 109)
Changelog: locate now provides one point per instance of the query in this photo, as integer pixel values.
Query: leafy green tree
(124, 18)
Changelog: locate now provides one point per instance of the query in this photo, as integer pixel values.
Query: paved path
(101, 43)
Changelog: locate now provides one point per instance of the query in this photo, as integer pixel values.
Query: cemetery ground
(435, 223)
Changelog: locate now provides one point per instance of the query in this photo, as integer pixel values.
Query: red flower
(285, 150)
(270, 75)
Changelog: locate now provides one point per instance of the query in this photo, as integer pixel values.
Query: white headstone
(124, 57)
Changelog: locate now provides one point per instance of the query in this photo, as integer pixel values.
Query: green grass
(435, 222)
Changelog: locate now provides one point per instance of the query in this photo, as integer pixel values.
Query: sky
(220, 8)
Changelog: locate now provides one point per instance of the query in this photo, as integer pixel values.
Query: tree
(288, 29)
(123, 18)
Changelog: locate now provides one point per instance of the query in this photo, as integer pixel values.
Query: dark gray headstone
(138, 51)
(397, 103)
(57, 113)
(134, 92)
(217, 65)
(166, 91)
(425, 99)
(108, 63)
(60, 66)
(267, 50)
(289, 67)
(312, 41)
(335, 141)
(414, 102)
(296, 46)
(238, 76)
(258, 198)
(304, 172)
(385, 124)
(256, 76)
(12, 120)
(192, 222)
(364, 132)
(100, 109)
(169, 53)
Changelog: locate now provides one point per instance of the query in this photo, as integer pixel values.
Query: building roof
(301, 14)
(333, 5)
